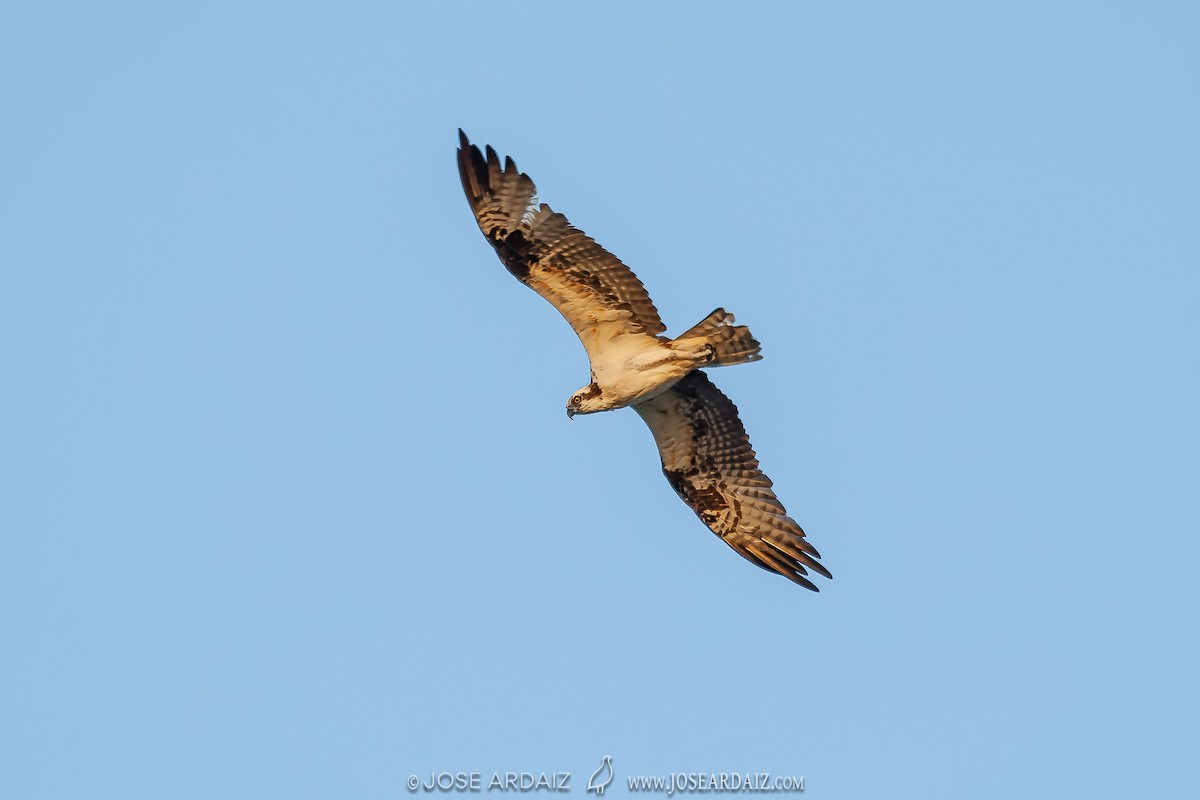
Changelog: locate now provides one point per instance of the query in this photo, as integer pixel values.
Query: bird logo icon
(602, 777)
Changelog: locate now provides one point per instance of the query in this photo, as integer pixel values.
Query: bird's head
(587, 400)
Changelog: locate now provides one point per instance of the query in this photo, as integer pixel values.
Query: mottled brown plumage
(598, 295)
(708, 460)
(706, 454)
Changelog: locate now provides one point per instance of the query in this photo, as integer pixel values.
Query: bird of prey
(706, 454)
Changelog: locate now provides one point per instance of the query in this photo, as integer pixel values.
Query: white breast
(633, 368)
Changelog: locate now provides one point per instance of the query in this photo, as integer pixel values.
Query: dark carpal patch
(703, 495)
(515, 251)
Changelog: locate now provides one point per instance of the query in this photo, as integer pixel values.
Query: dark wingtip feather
(820, 568)
(471, 168)
(796, 576)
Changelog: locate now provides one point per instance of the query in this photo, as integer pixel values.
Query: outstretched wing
(707, 458)
(598, 295)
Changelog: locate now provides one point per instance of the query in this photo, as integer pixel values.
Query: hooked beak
(570, 413)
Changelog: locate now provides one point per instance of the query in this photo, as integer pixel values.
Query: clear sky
(291, 507)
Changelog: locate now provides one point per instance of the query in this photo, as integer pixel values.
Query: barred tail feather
(730, 344)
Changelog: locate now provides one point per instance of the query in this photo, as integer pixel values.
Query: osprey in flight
(706, 454)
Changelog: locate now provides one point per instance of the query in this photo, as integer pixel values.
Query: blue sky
(291, 506)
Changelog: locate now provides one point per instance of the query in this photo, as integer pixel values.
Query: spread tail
(724, 342)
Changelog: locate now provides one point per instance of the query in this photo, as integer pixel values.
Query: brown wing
(707, 458)
(598, 295)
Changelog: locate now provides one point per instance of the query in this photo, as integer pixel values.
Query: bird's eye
(577, 399)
